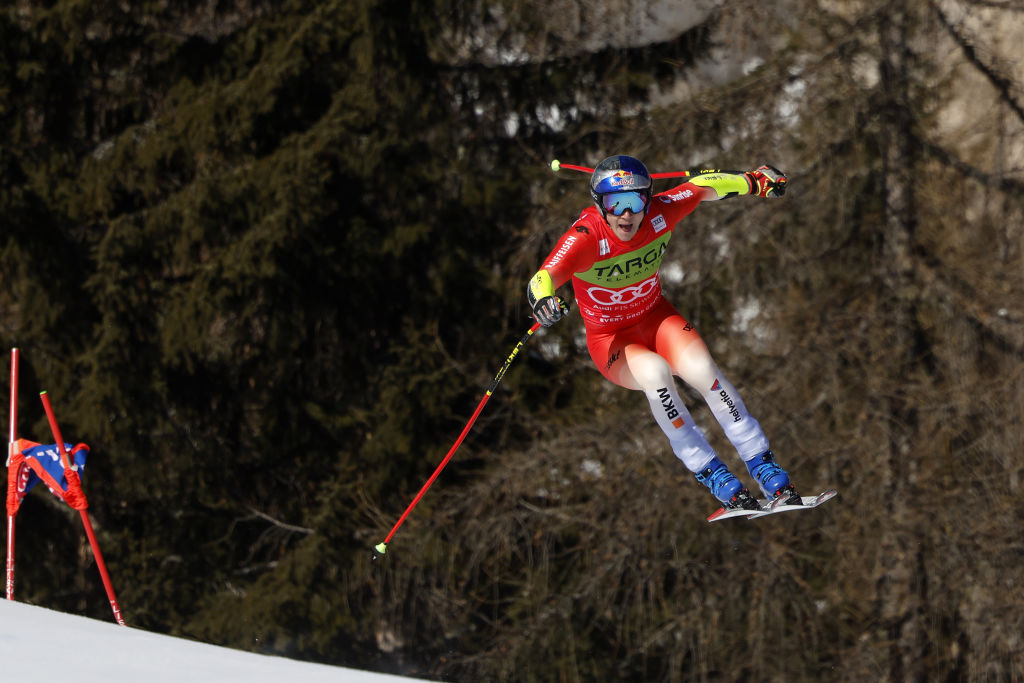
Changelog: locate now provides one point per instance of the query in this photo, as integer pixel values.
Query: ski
(771, 507)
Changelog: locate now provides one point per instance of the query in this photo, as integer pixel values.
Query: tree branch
(1002, 84)
(292, 528)
(1001, 183)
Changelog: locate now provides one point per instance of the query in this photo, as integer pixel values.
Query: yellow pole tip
(381, 548)
(555, 165)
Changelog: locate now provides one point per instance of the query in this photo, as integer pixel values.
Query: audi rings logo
(626, 295)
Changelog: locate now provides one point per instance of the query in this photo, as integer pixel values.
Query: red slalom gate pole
(12, 438)
(10, 557)
(383, 546)
(14, 406)
(100, 564)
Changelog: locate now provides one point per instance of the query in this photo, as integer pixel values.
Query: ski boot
(724, 485)
(772, 479)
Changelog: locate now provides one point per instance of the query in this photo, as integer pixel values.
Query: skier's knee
(651, 371)
(699, 371)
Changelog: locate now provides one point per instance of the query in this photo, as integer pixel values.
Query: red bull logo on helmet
(620, 179)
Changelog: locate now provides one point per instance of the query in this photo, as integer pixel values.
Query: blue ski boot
(724, 485)
(772, 479)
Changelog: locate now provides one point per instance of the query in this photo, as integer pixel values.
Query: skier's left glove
(767, 181)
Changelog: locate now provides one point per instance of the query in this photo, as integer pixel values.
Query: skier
(636, 338)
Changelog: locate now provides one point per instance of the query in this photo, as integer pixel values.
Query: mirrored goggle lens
(617, 203)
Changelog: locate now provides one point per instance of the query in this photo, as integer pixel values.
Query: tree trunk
(900, 572)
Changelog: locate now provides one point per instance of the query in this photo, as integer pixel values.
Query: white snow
(38, 644)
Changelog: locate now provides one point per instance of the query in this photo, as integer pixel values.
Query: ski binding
(771, 507)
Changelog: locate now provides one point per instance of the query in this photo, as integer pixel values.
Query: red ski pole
(557, 165)
(13, 417)
(71, 472)
(383, 547)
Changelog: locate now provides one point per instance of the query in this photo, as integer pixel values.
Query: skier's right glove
(550, 310)
(547, 308)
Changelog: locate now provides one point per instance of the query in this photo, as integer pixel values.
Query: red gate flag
(33, 463)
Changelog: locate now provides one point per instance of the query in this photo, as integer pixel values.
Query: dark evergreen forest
(266, 257)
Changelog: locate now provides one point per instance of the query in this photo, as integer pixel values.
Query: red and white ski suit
(636, 337)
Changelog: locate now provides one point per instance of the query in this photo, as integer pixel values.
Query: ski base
(771, 507)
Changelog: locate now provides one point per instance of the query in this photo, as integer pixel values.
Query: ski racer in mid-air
(637, 339)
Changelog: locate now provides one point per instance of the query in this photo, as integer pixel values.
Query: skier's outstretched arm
(765, 181)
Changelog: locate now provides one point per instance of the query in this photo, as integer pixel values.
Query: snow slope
(37, 644)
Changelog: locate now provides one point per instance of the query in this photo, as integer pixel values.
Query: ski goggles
(617, 203)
